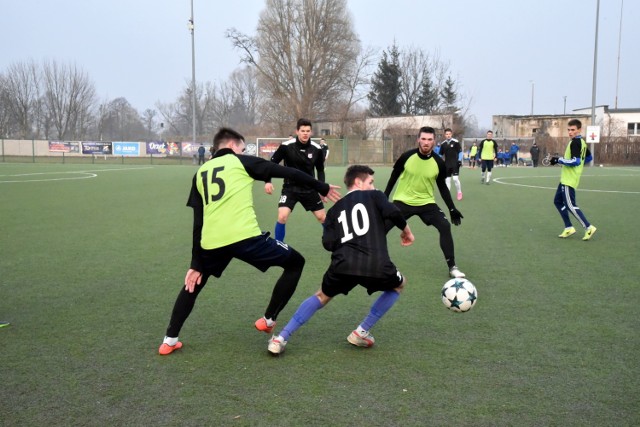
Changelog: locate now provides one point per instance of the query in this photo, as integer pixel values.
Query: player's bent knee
(296, 260)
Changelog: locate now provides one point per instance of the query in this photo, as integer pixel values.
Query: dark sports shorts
(261, 252)
(452, 170)
(430, 214)
(336, 283)
(487, 164)
(310, 200)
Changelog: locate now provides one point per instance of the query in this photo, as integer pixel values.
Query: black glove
(554, 161)
(459, 164)
(456, 216)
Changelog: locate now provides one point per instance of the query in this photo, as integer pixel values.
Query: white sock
(360, 330)
(456, 181)
(270, 322)
(448, 181)
(488, 176)
(170, 341)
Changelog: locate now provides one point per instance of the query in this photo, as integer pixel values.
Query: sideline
(83, 175)
(502, 180)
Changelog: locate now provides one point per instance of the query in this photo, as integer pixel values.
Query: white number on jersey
(359, 228)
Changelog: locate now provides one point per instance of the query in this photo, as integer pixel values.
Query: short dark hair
(226, 134)
(426, 129)
(489, 131)
(448, 130)
(575, 122)
(303, 122)
(356, 171)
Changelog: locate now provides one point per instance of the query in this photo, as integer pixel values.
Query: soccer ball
(459, 295)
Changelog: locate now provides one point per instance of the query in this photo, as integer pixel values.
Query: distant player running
(488, 150)
(305, 155)
(575, 157)
(450, 151)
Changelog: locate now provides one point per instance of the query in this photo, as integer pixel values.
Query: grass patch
(90, 267)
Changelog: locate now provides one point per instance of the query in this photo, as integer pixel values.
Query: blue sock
(307, 309)
(379, 308)
(279, 231)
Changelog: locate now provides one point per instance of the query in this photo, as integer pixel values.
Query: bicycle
(546, 161)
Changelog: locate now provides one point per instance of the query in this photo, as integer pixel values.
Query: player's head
(448, 133)
(303, 130)
(490, 134)
(229, 138)
(575, 122)
(426, 139)
(359, 177)
(574, 127)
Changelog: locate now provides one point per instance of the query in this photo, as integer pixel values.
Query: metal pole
(595, 71)
(532, 92)
(193, 73)
(564, 109)
(619, 44)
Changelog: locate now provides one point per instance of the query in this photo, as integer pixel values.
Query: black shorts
(310, 200)
(487, 164)
(261, 252)
(430, 214)
(336, 283)
(452, 170)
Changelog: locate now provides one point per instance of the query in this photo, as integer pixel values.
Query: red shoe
(261, 325)
(168, 349)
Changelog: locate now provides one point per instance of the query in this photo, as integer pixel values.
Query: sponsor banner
(268, 148)
(163, 148)
(95, 147)
(126, 148)
(189, 148)
(64, 146)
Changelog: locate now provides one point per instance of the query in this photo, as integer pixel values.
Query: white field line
(503, 182)
(83, 175)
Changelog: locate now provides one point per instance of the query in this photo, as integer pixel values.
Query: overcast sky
(141, 49)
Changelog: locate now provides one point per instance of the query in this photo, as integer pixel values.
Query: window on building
(633, 129)
(324, 132)
(534, 131)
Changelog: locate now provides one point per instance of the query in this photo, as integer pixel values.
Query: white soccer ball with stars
(459, 295)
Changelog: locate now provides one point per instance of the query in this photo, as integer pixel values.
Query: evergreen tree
(384, 98)
(427, 102)
(449, 94)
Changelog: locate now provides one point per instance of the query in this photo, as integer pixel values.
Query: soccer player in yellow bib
(488, 150)
(225, 227)
(575, 157)
(418, 172)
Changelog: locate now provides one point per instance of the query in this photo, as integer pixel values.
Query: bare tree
(148, 118)
(68, 97)
(22, 96)
(423, 77)
(178, 115)
(120, 121)
(246, 96)
(301, 52)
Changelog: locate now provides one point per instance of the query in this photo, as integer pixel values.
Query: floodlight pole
(619, 44)
(193, 74)
(595, 71)
(533, 85)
